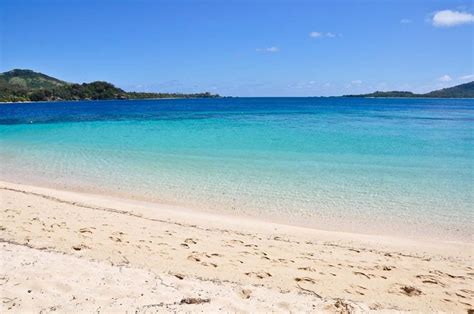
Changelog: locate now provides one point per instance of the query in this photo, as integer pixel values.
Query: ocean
(388, 166)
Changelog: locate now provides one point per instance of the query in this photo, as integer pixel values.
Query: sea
(399, 167)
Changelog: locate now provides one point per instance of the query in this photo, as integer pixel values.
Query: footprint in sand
(430, 279)
(385, 267)
(117, 236)
(80, 247)
(251, 245)
(85, 230)
(284, 261)
(363, 274)
(190, 241)
(305, 279)
(179, 276)
(357, 289)
(245, 293)
(208, 264)
(442, 274)
(194, 258)
(115, 239)
(259, 275)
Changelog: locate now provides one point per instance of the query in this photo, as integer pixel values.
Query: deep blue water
(328, 162)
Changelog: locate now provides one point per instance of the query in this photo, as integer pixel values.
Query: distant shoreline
(87, 100)
(221, 97)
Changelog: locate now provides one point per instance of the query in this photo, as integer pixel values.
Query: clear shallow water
(368, 165)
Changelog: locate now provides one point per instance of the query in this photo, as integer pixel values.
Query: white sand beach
(67, 251)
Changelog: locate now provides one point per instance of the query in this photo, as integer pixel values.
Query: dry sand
(65, 251)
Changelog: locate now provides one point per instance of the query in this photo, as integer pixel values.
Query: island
(459, 91)
(26, 85)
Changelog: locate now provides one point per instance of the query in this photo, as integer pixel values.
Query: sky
(244, 48)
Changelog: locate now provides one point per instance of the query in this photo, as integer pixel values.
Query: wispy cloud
(405, 21)
(445, 78)
(468, 77)
(315, 34)
(356, 82)
(322, 35)
(272, 49)
(448, 18)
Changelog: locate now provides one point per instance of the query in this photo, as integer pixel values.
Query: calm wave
(335, 163)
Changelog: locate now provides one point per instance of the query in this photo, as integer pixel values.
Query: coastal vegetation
(459, 91)
(27, 85)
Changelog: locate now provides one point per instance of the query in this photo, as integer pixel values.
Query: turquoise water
(367, 165)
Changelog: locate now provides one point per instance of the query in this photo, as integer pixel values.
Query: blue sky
(244, 48)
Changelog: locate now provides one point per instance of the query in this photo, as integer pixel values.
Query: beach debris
(309, 291)
(85, 230)
(410, 291)
(194, 301)
(304, 280)
(343, 307)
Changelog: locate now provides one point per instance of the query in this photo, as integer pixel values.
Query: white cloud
(323, 35)
(467, 77)
(445, 78)
(269, 49)
(356, 82)
(448, 18)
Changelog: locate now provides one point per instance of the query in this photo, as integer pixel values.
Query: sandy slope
(86, 252)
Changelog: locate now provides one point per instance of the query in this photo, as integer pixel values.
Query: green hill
(459, 91)
(27, 85)
(29, 79)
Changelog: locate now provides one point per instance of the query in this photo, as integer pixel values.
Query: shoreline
(178, 98)
(267, 260)
(391, 226)
(235, 220)
(87, 100)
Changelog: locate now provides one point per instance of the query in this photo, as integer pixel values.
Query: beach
(71, 251)
(236, 156)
